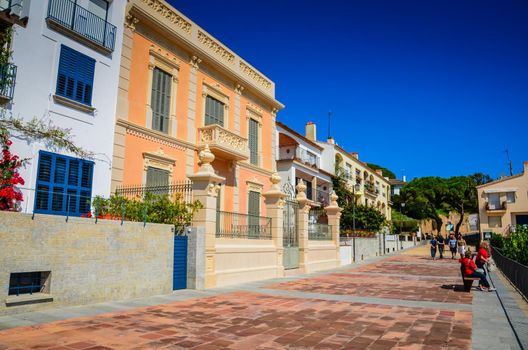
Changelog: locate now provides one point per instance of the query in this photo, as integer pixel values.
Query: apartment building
(66, 56)
(299, 158)
(503, 203)
(180, 90)
(369, 186)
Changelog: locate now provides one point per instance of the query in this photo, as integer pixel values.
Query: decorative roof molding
(168, 13)
(253, 74)
(215, 47)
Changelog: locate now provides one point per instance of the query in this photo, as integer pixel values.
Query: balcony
(13, 12)
(7, 82)
(494, 208)
(73, 20)
(223, 143)
(370, 190)
(301, 155)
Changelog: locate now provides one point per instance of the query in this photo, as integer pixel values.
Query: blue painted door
(179, 275)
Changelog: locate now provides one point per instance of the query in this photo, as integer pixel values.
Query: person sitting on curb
(469, 270)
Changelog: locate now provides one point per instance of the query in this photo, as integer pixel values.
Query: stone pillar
(205, 190)
(302, 225)
(274, 199)
(333, 211)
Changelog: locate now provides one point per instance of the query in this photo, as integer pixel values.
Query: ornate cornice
(130, 22)
(215, 47)
(168, 13)
(254, 75)
(154, 136)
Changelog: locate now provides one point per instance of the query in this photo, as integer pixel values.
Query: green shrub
(497, 240)
(516, 245)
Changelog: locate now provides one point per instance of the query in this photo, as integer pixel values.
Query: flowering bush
(10, 196)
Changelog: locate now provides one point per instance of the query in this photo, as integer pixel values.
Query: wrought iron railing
(319, 232)
(11, 6)
(7, 80)
(237, 225)
(514, 271)
(181, 190)
(83, 22)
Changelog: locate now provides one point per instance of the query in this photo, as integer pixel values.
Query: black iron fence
(238, 225)
(514, 271)
(181, 190)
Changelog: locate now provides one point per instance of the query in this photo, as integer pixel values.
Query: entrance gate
(290, 238)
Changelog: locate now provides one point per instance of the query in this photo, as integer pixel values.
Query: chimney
(331, 140)
(311, 132)
(355, 155)
(379, 172)
(404, 178)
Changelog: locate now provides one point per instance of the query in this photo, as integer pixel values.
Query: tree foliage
(515, 246)
(386, 172)
(430, 197)
(367, 218)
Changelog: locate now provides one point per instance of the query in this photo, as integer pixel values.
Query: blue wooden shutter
(76, 74)
(253, 141)
(160, 100)
(64, 185)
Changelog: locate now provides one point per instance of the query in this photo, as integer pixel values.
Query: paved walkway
(403, 301)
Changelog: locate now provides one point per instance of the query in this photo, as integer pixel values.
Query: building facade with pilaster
(181, 89)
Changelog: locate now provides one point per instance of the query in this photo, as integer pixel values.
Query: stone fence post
(274, 199)
(333, 212)
(205, 189)
(302, 225)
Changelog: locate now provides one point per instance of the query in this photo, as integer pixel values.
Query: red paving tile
(245, 320)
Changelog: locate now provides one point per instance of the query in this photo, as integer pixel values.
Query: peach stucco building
(180, 88)
(503, 203)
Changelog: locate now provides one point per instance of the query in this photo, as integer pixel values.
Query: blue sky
(434, 87)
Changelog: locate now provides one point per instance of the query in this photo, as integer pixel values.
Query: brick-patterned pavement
(258, 320)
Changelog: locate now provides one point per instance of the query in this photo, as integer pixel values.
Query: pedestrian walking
(453, 246)
(434, 243)
(441, 244)
(461, 246)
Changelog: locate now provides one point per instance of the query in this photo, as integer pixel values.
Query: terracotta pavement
(259, 319)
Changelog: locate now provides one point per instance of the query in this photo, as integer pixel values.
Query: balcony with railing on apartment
(76, 21)
(496, 208)
(7, 82)
(370, 189)
(13, 12)
(299, 154)
(223, 143)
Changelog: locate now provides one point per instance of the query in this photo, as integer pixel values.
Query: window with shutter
(76, 74)
(253, 213)
(160, 100)
(157, 181)
(214, 111)
(64, 185)
(253, 142)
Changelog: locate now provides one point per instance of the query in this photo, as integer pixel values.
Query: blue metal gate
(179, 275)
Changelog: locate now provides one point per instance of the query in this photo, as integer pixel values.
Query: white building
(68, 60)
(298, 158)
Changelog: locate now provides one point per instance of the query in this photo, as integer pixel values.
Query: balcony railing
(14, 12)
(79, 20)
(237, 225)
(369, 188)
(301, 155)
(497, 207)
(181, 190)
(223, 143)
(7, 81)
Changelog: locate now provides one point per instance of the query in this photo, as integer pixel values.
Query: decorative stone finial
(206, 158)
(333, 199)
(301, 190)
(275, 180)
